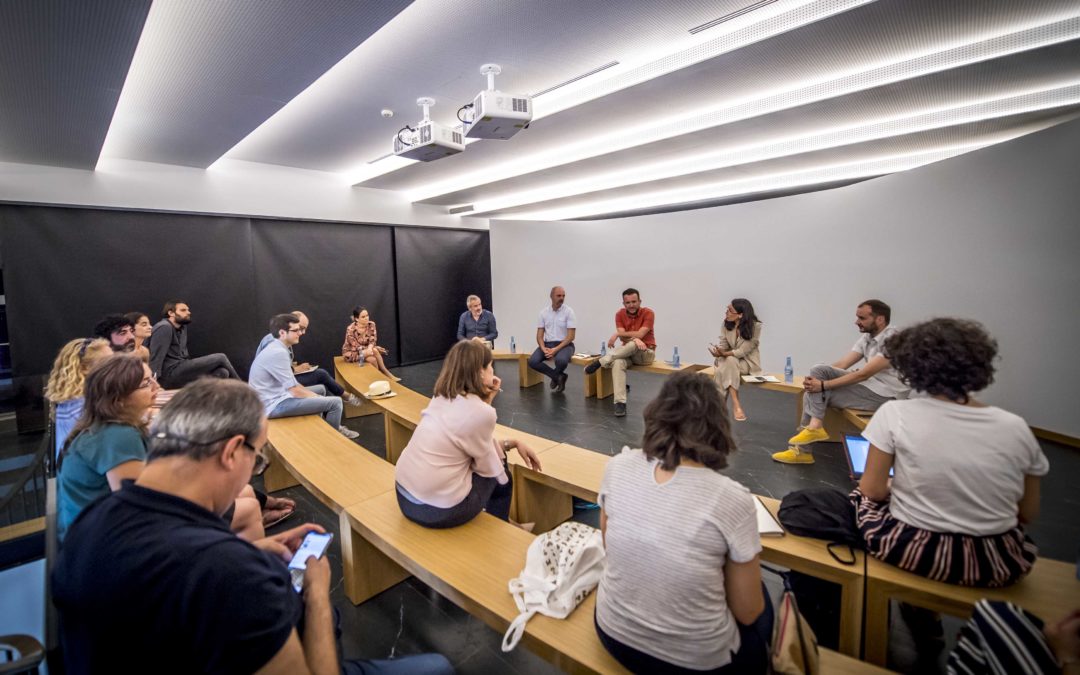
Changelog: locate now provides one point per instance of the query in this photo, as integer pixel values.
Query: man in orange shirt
(634, 326)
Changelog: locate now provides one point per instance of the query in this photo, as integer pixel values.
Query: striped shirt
(662, 592)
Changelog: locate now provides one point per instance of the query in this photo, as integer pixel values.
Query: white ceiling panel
(208, 72)
(436, 47)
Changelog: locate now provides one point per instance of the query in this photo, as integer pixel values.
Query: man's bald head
(303, 319)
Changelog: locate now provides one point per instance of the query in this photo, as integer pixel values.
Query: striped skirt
(964, 560)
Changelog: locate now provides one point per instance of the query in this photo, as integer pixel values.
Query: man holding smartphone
(152, 575)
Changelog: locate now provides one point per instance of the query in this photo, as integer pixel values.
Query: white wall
(231, 187)
(993, 235)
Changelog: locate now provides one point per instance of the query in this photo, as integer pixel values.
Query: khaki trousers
(618, 359)
(729, 372)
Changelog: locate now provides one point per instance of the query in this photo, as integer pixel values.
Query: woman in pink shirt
(453, 468)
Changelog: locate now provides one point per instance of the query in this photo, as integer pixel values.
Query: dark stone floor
(410, 618)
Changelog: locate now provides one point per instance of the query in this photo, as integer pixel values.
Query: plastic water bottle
(513, 346)
(603, 348)
(675, 358)
(789, 374)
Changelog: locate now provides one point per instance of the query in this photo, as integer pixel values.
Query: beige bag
(794, 646)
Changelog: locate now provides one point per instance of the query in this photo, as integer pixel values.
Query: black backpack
(822, 513)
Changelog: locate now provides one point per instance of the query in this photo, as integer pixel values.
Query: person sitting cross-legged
(150, 579)
(836, 386)
(634, 328)
(273, 379)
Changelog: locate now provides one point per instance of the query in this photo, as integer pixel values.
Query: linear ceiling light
(764, 23)
(863, 168)
(685, 165)
(805, 93)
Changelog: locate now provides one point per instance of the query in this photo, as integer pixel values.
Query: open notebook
(767, 524)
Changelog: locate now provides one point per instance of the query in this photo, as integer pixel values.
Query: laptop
(856, 448)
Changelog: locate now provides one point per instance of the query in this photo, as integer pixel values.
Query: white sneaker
(347, 432)
(354, 400)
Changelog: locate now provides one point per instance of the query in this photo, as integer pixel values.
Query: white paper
(766, 523)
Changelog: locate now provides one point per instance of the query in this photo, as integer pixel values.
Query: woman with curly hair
(65, 387)
(681, 590)
(967, 473)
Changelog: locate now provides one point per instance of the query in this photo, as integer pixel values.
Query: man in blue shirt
(150, 579)
(273, 380)
(477, 323)
(306, 374)
(555, 331)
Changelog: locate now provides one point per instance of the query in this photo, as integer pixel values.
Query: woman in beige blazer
(737, 352)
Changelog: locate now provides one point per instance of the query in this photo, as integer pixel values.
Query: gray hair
(202, 415)
(468, 300)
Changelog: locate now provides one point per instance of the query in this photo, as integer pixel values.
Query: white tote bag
(561, 569)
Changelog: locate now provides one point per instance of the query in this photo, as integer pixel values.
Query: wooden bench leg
(366, 570)
(398, 436)
(851, 595)
(540, 504)
(277, 477)
(877, 623)
(604, 387)
(527, 377)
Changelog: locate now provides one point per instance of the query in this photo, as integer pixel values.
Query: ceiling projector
(494, 114)
(429, 140)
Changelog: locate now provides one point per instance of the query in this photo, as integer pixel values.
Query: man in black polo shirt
(150, 579)
(169, 358)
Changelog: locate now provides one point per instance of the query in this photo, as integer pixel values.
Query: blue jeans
(418, 664)
(330, 407)
(486, 495)
(319, 376)
(562, 360)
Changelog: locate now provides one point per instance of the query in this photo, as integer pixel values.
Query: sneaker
(620, 410)
(808, 436)
(592, 367)
(354, 400)
(347, 432)
(561, 387)
(793, 455)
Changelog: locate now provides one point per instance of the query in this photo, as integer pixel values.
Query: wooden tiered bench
(838, 421)
(471, 565)
(544, 498)
(527, 377)
(1049, 591)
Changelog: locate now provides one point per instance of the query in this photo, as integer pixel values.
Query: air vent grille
(582, 76)
(521, 105)
(731, 15)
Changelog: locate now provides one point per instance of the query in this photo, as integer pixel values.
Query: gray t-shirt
(271, 375)
(959, 469)
(884, 382)
(662, 592)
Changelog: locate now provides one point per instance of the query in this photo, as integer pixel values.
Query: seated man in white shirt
(555, 331)
(837, 387)
(273, 380)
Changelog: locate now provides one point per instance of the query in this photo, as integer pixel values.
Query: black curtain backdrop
(64, 268)
(436, 271)
(324, 270)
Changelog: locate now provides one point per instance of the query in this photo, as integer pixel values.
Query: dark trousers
(752, 657)
(562, 360)
(320, 376)
(486, 494)
(215, 365)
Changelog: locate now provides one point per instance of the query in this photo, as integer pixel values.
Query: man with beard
(837, 387)
(169, 357)
(634, 328)
(118, 331)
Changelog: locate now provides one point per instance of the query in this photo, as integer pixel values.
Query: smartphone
(314, 544)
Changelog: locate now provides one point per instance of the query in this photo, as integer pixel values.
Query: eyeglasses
(261, 460)
(148, 383)
(294, 330)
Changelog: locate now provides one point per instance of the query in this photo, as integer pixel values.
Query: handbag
(561, 568)
(794, 645)
(823, 513)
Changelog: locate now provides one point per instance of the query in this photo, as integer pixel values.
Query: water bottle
(513, 346)
(675, 358)
(603, 348)
(789, 374)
